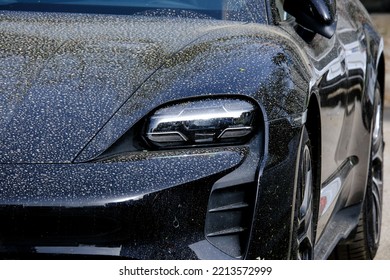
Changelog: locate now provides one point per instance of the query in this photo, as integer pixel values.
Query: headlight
(202, 122)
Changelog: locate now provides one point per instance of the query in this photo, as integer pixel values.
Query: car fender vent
(234, 206)
(229, 218)
(229, 231)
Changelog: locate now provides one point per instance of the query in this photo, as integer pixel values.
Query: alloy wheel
(305, 216)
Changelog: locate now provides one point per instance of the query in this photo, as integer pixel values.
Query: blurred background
(380, 14)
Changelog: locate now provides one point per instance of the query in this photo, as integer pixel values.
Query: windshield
(220, 9)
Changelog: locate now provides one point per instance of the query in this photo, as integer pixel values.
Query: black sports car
(190, 129)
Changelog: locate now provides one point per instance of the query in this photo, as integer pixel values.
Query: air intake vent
(229, 217)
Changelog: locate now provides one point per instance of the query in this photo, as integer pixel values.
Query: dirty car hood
(63, 76)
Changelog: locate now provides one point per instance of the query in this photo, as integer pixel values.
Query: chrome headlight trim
(201, 122)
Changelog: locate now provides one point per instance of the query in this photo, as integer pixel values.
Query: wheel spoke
(377, 131)
(376, 187)
(305, 222)
(376, 173)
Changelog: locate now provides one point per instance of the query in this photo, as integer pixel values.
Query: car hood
(64, 76)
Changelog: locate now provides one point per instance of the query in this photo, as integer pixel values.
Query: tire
(365, 243)
(304, 227)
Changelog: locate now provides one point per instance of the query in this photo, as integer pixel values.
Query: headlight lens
(202, 122)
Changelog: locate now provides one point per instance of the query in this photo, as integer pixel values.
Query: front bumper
(210, 203)
(146, 205)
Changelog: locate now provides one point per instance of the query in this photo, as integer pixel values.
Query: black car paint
(346, 111)
(377, 6)
(73, 182)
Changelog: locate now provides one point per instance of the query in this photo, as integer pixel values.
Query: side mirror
(318, 16)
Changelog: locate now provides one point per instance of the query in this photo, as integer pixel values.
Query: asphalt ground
(382, 22)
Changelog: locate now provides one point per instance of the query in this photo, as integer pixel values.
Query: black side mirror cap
(318, 16)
